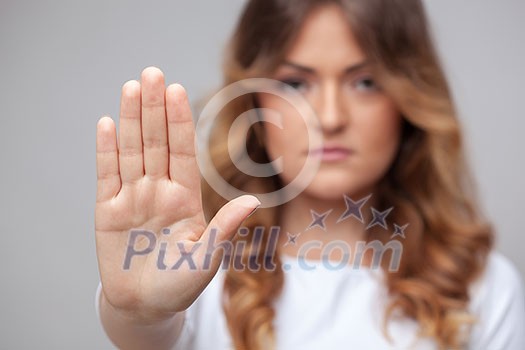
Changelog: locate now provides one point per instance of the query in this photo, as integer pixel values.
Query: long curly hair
(429, 183)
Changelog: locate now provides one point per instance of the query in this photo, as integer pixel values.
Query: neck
(312, 219)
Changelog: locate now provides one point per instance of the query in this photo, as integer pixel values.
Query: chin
(333, 185)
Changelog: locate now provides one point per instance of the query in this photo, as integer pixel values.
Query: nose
(330, 112)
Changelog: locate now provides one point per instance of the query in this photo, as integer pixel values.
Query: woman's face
(360, 125)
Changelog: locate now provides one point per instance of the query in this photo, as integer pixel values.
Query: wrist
(135, 317)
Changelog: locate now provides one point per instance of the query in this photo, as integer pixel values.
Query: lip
(332, 153)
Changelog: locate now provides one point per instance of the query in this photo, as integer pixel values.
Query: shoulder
(204, 323)
(500, 278)
(498, 303)
(209, 302)
(500, 268)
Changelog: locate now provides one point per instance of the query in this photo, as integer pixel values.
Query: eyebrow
(348, 70)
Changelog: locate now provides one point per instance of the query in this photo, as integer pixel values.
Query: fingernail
(253, 211)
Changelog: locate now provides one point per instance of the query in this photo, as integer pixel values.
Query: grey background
(62, 66)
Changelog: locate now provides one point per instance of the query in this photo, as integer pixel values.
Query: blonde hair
(429, 183)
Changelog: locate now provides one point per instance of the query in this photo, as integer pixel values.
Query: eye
(297, 84)
(366, 84)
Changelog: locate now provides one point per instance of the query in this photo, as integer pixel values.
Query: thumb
(230, 217)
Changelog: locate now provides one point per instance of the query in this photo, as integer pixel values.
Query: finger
(154, 130)
(181, 135)
(130, 135)
(108, 178)
(226, 222)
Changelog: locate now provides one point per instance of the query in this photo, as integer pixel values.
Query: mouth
(332, 153)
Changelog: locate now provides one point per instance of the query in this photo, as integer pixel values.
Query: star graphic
(318, 219)
(292, 239)
(399, 231)
(379, 218)
(354, 208)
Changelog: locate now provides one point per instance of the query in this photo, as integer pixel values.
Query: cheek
(289, 142)
(378, 134)
(290, 137)
(291, 132)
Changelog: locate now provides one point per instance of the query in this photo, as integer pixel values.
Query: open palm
(149, 181)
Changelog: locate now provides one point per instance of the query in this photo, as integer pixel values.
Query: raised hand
(149, 181)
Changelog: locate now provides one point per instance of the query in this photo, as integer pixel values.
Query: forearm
(130, 334)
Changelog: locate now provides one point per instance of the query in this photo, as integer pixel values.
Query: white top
(327, 308)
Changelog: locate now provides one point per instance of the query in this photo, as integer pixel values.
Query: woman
(390, 172)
